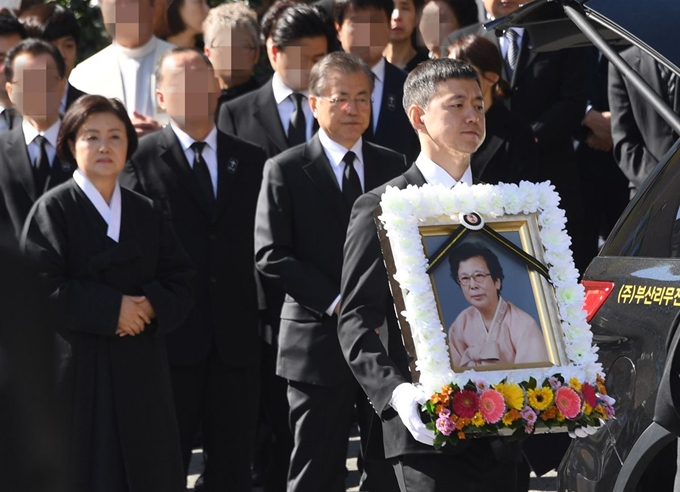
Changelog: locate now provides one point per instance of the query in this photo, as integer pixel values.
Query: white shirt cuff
(331, 309)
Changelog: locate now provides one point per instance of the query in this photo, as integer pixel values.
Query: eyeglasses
(478, 277)
(343, 102)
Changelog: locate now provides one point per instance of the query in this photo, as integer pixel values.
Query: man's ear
(415, 116)
(313, 100)
(161, 99)
(8, 88)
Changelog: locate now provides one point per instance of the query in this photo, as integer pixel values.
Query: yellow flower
(478, 420)
(560, 417)
(587, 409)
(540, 398)
(600, 410)
(513, 395)
(575, 384)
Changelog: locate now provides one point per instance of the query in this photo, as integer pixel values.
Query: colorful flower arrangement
(523, 408)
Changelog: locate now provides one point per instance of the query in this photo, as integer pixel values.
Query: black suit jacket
(508, 153)
(641, 137)
(549, 92)
(72, 94)
(218, 239)
(300, 231)
(394, 130)
(18, 192)
(379, 361)
(255, 117)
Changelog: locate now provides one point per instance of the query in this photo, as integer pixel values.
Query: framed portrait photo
(487, 297)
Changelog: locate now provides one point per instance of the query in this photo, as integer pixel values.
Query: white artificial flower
(530, 197)
(552, 218)
(513, 198)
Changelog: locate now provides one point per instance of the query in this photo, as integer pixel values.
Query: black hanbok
(116, 393)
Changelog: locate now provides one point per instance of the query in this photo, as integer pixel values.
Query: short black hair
(472, 249)
(272, 15)
(340, 7)
(297, 22)
(50, 21)
(9, 25)
(33, 47)
(421, 84)
(158, 73)
(80, 111)
(466, 12)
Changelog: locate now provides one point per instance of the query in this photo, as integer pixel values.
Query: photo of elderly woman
(491, 330)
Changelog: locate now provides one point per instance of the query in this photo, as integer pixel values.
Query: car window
(652, 228)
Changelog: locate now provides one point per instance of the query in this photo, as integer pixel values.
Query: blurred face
(233, 54)
(437, 22)
(128, 21)
(37, 88)
(344, 108)
(193, 13)
(500, 8)
(404, 20)
(294, 62)
(6, 42)
(68, 48)
(454, 119)
(365, 33)
(481, 290)
(100, 147)
(188, 89)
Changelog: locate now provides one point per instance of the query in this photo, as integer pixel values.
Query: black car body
(633, 285)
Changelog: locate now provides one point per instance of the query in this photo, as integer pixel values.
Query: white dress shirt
(136, 69)
(286, 106)
(434, 174)
(110, 213)
(335, 152)
(50, 135)
(378, 89)
(209, 152)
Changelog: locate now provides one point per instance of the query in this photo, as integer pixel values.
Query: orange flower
(460, 424)
(461, 435)
(600, 410)
(549, 413)
(600, 385)
(440, 399)
(511, 416)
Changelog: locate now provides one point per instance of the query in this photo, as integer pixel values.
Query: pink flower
(529, 415)
(568, 402)
(554, 382)
(482, 385)
(529, 428)
(465, 404)
(445, 426)
(492, 406)
(588, 393)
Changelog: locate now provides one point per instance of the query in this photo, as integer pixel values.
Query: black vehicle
(633, 285)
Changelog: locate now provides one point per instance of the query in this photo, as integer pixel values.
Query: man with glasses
(232, 43)
(302, 215)
(34, 70)
(491, 330)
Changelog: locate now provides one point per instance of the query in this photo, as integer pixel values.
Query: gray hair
(421, 84)
(337, 61)
(234, 16)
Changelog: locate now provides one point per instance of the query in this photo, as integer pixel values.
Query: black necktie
(297, 129)
(513, 52)
(351, 185)
(201, 171)
(41, 167)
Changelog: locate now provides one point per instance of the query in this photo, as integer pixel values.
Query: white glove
(583, 431)
(406, 400)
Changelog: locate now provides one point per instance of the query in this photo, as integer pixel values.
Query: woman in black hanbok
(121, 282)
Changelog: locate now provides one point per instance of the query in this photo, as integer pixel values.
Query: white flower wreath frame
(402, 212)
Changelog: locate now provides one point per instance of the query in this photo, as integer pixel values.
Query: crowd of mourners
(184, 197)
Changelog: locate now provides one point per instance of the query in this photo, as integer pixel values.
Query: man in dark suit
(207, 182)
(29, 165)
(302, 215)
(641, 137)
(363, 28)
(57, 25)
(444, 103)
(11, 34)
(277, 116)
(549, 92)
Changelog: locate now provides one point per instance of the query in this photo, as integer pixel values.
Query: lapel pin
(391, 102)
(232, 165)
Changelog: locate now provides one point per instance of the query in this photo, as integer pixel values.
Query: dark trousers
(225, 400)
(476, 469)
(320, 419)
